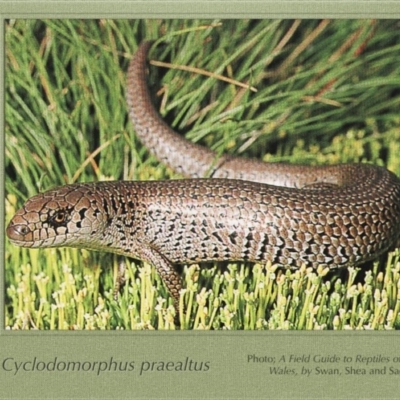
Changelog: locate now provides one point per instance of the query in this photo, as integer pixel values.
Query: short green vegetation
(327, 92)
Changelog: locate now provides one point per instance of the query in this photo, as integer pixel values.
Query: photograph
(202, 174)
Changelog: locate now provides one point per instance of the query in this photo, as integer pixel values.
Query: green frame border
(201, 8)
(229, 373)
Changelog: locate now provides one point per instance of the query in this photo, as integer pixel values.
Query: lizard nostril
(17, 232)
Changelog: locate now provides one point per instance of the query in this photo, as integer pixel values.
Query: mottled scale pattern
(287, 214)
(197, 220)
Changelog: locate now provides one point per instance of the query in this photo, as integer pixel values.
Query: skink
(248, 211)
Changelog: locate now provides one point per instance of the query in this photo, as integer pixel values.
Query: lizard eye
(59, 217)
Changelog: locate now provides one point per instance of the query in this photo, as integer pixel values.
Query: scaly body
(333, 216)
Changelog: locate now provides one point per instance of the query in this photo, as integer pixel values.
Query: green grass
(327, 92)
